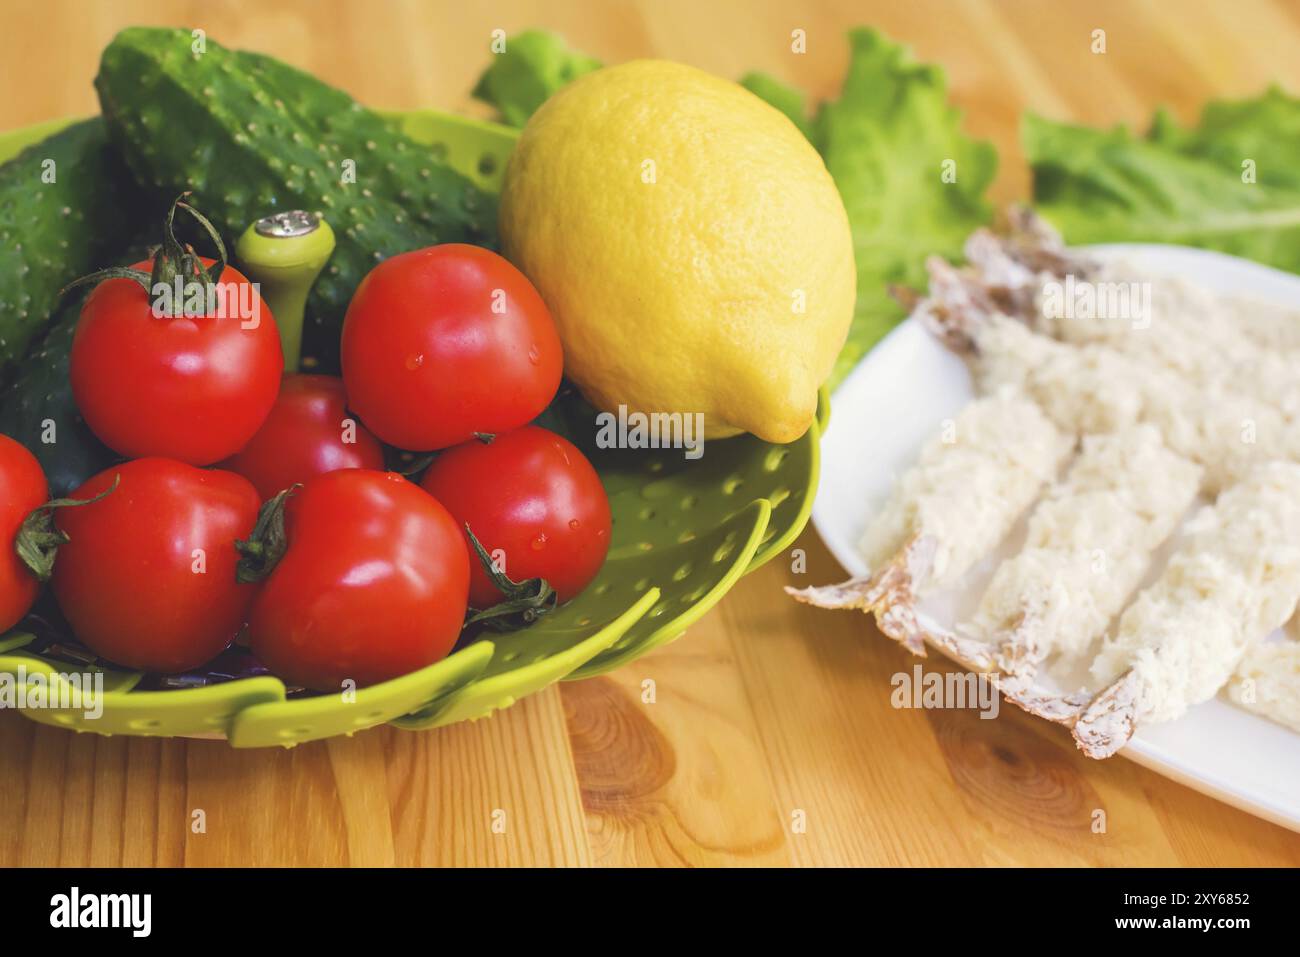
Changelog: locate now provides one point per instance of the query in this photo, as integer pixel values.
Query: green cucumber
(64, 203)
(251, 136)
(37, 408)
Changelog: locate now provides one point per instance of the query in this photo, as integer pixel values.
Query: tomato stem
(525, 601)
(264, 548)
(38, 539)
(170, 261)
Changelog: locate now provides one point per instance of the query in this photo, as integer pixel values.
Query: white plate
(895, 399)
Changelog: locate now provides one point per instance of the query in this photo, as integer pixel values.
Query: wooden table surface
(772, 740)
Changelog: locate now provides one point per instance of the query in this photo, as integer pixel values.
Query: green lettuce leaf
(1265, 129)
(784, 97)
(1178, 185)
(533, 66)
(886, 141)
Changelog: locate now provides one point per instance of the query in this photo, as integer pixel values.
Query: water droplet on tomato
(574, 523)
(534, 355)
(539, 542)
(414, 361)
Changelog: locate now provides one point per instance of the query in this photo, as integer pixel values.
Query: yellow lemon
(690, 244)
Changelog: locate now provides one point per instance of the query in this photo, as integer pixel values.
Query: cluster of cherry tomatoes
(252, 499)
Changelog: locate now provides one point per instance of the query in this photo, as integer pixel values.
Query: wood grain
(769, 738)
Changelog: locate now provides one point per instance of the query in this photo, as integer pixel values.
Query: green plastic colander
(684, 532)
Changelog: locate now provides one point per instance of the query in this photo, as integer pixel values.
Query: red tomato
(22, 489)
(444, 342)
(309, 432)
(532, 496)
(373, 583)
(147, 578)
(193, 389)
